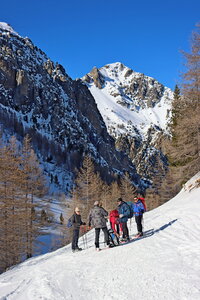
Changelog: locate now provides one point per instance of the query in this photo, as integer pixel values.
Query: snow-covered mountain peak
(127, 99)
(5, 28)
(116, 71)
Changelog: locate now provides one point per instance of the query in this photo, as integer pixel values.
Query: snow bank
(162, 265)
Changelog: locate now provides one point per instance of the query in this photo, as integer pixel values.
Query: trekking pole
(86, 237)
(130, 225)
(83, 238)
(142, 223)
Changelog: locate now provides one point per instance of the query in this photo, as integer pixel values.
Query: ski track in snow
(164, 264)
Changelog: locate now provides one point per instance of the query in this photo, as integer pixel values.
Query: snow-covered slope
(128, 99)
(162, 265)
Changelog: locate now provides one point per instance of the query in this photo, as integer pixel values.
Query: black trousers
(97, 233)
(75, 239)
(125, 230)
(138, 220)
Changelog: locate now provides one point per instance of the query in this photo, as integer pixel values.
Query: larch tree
(183, 150)
(11, 215)
(127, 187)
(115, 193)
(20, 180)
(33, 185)
(87, 187)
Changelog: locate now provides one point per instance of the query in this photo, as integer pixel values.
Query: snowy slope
(127, 99)
(163, 265)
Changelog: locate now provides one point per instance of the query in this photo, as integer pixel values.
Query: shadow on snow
(150, 232)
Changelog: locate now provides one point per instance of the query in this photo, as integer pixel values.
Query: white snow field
(165, 264)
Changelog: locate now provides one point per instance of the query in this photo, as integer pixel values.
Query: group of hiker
(98, 218)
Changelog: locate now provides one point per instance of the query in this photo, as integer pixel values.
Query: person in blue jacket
(138, 209)
(124, 211)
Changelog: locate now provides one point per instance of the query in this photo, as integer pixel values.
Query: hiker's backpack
(69, 222)
(114, 216)
(144, 203)
(114, 240)
(130, 206)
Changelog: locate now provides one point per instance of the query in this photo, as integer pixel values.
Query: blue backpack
(130, 206)
(69, 223)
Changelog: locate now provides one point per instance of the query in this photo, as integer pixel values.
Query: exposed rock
(97, 78)
(60, 115)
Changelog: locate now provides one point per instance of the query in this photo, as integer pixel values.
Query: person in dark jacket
(97, 219)
(76, 223)
(124, 211)
(138, 209)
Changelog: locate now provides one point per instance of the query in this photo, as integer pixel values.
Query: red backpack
(114, 215)
(143, 202)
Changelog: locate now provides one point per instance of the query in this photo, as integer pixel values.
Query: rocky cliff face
(136, 109)
(39, 98)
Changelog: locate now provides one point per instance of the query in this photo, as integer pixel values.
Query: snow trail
(162, 265)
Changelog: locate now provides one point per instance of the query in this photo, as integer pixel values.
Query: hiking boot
(98, 249)
(139, 234)
(122, 239)
(79, 249)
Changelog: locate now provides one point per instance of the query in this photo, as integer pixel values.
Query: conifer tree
(127, 188)
(19, 177)
(87, 186)
(176, 109)
(33, 185)
(183, 150)
(105, 196)
(115, 193)
(11, 205)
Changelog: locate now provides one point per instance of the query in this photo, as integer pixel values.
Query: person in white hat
(76, 223)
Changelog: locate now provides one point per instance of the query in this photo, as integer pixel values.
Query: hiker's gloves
(121, 216)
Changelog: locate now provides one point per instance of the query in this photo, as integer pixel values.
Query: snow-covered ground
(165, 264)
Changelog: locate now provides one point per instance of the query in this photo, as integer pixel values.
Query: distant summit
(126, 97)
(6, 28)
(136, 110)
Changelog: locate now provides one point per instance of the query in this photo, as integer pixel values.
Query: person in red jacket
(114, 221)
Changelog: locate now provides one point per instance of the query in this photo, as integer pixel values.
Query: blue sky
(146, 36)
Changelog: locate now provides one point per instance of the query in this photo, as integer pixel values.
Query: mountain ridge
(39, 98)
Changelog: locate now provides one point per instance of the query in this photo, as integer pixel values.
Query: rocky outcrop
(60, 114)
(96, 77)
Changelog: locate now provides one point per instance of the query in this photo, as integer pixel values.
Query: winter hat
(96, 203)
(119, 199)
